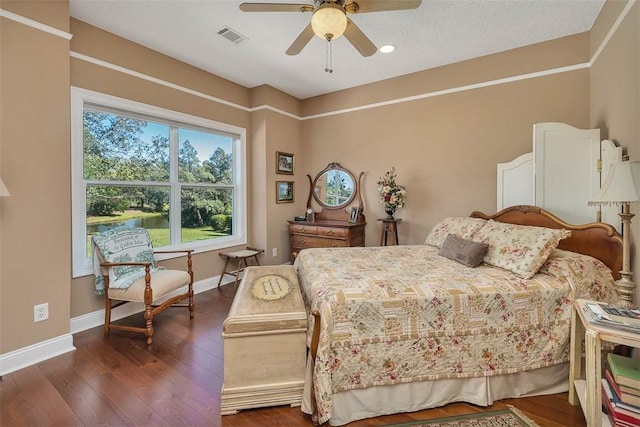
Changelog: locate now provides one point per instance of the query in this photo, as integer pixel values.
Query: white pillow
(464, 227)
(521, 249)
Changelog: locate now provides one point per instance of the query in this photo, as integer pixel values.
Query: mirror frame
(333, 166)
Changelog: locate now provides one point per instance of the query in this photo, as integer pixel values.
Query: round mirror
(334, 187)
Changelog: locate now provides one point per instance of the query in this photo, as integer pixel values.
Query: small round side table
(389, 226)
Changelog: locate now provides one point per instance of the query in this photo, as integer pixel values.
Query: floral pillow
(518, 248)
(463, 227)
(588, 276)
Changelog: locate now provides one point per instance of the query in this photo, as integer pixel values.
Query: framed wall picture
(355, 214)
(284, 163)
(284, 191)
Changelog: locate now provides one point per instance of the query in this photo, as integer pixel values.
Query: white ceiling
(439, 32)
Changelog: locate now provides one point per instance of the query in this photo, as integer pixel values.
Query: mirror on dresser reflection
(334, 187)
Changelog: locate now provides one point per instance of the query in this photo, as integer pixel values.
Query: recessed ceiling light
(387, 48)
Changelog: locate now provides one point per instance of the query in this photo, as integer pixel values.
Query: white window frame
(82, 266)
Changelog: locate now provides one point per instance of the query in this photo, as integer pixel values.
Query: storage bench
(264, 338)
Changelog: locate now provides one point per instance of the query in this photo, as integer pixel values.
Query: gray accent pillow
(464, 251)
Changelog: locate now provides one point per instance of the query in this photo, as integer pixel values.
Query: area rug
(510, 417)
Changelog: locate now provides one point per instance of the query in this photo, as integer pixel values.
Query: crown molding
(35, 24)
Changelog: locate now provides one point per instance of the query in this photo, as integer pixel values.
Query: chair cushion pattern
(122, 244)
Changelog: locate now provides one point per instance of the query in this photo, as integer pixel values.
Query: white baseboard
(38, 352)
(35, 353)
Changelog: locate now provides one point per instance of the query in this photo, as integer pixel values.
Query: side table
(389, 226)
(588, 390)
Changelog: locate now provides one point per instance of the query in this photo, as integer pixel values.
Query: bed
(403, 328)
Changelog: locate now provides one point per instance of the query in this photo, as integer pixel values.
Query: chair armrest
(188, 259)
(184, 251)
(119, 264)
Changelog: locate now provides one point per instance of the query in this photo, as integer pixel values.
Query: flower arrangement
(391, 194)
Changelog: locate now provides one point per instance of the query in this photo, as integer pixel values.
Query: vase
(390, 210)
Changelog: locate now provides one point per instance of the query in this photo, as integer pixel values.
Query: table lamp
(622, 187)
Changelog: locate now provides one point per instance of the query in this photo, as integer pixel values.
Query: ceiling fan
(329, 19)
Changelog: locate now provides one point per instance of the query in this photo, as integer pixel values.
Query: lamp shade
(4, 191)
(329, 21)
(622, 185)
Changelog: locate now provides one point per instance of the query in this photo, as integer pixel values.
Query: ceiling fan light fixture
(329, 21)
(387, 48)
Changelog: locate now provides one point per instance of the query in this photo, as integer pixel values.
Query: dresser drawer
(324, 234)
(333, 232)
(303, 228)
(303, 242)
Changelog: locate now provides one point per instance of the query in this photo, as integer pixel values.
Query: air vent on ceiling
(231, 35)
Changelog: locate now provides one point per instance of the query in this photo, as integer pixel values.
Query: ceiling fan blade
(275, 7)
(303, 39)
(359, 40)
(363, 6)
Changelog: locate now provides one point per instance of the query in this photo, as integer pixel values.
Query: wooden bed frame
(598, 240)
(595, 239)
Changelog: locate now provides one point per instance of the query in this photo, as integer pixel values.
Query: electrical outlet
(41, 312)
(274, 252)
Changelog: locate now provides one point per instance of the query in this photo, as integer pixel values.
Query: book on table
(625, 370)
(630, 390)
(623, 397)
(623, 314)
(618, 415)
(613, 316)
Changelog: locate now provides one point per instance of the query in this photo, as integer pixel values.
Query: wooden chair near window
(126, 271)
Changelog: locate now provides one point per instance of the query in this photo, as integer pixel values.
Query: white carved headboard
(561, 174)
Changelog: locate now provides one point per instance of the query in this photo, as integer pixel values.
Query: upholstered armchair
(126, 271)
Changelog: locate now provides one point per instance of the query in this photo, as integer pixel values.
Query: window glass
(117, 147)
(178, 176)
(206, 213)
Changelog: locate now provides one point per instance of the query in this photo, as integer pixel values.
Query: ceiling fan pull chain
(328, 57)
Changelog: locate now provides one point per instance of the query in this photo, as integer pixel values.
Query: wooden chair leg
(148, 320)
(190, 271)
(107, 313)
(191, 305)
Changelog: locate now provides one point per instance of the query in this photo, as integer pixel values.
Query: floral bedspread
(403, 313)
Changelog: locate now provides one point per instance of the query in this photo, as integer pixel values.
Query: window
(180, 177)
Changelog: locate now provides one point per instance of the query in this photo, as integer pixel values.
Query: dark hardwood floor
(176, 382)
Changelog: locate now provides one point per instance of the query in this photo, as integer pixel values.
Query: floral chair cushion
(464, 227)
(519, 248)
(121, 245)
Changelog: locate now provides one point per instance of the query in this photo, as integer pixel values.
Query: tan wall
(272, 132)
(517, 62)
(34, 163)
(615, 94)
(446, 148)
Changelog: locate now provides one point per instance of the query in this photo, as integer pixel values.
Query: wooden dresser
(324, 234)
(334, 189)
